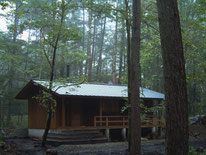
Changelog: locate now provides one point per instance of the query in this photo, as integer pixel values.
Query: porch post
(63, 113)
(160, 123)
(107, 134)
(154, 132)
(100, 112)
(124, 134)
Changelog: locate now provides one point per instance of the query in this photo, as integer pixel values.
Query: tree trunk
(88, 68)
(99, 67)
(26, 57)
(83, 42)
(121, 50)
(11, 70)
(115, 51)
(135, 148)
(94, 42)
(175, 79)
(62, 65)
(48, 123)
(49, 117)
(128, 71)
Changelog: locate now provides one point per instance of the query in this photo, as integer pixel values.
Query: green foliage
(192, 151)
(144, 109)
(193, 28)
(44, 98)
(99, 7)
(17, 121)
(4, 5)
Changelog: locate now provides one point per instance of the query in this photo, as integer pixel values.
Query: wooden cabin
(86, 107)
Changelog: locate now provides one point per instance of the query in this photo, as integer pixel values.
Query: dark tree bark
(49, 117)
(83, 41)
(11, 70)
(94, 42)
(55, 46)
(26, 57)
(115, 50)
(62, 65)
(128, 71)
(175, 79)
(88, 68)
(135, 148)
(122, 49)
(99, 67)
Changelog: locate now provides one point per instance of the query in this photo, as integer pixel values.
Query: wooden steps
(76, 137)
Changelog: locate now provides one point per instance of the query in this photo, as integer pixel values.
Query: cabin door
(75, 114)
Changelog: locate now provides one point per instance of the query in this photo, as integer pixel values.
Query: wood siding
(73, 112)
(111, 107)
(37, 116)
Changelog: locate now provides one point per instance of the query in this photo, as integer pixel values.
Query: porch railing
(110, 121)
(122, 122)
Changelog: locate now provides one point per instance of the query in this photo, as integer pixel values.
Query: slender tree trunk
(122, 50)
(193, 92)
(83, 42)
(48, 123)
(1, 113)
(88, 69)
(175, 78)
(115, 50)
(135, 148)
(62, 64)
(11, 70)
(49, 117)
(124, 64)
(99, 67)
(94, 42)
(40, 68)
(83, 39)
(128, 71)
(27, 56)
(54, 13)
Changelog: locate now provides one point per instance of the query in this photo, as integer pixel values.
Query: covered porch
(92, 113)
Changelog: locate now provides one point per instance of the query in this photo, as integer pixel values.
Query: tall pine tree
(175, 78)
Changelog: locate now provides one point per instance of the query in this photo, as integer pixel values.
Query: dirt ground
(22, 145)
(198, 132)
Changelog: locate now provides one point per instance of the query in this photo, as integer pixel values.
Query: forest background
(92, 44)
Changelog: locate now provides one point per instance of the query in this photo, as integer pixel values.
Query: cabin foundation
(35, 132)
(124, 134)
(107, 134)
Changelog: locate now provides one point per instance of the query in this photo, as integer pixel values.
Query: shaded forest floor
(22, 145)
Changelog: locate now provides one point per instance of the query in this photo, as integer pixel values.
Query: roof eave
(20, 94)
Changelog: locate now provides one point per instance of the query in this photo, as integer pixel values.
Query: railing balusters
(122, 121)
(95, 121)
(100, 117)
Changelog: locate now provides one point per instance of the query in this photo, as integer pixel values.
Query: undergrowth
(192, 151)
